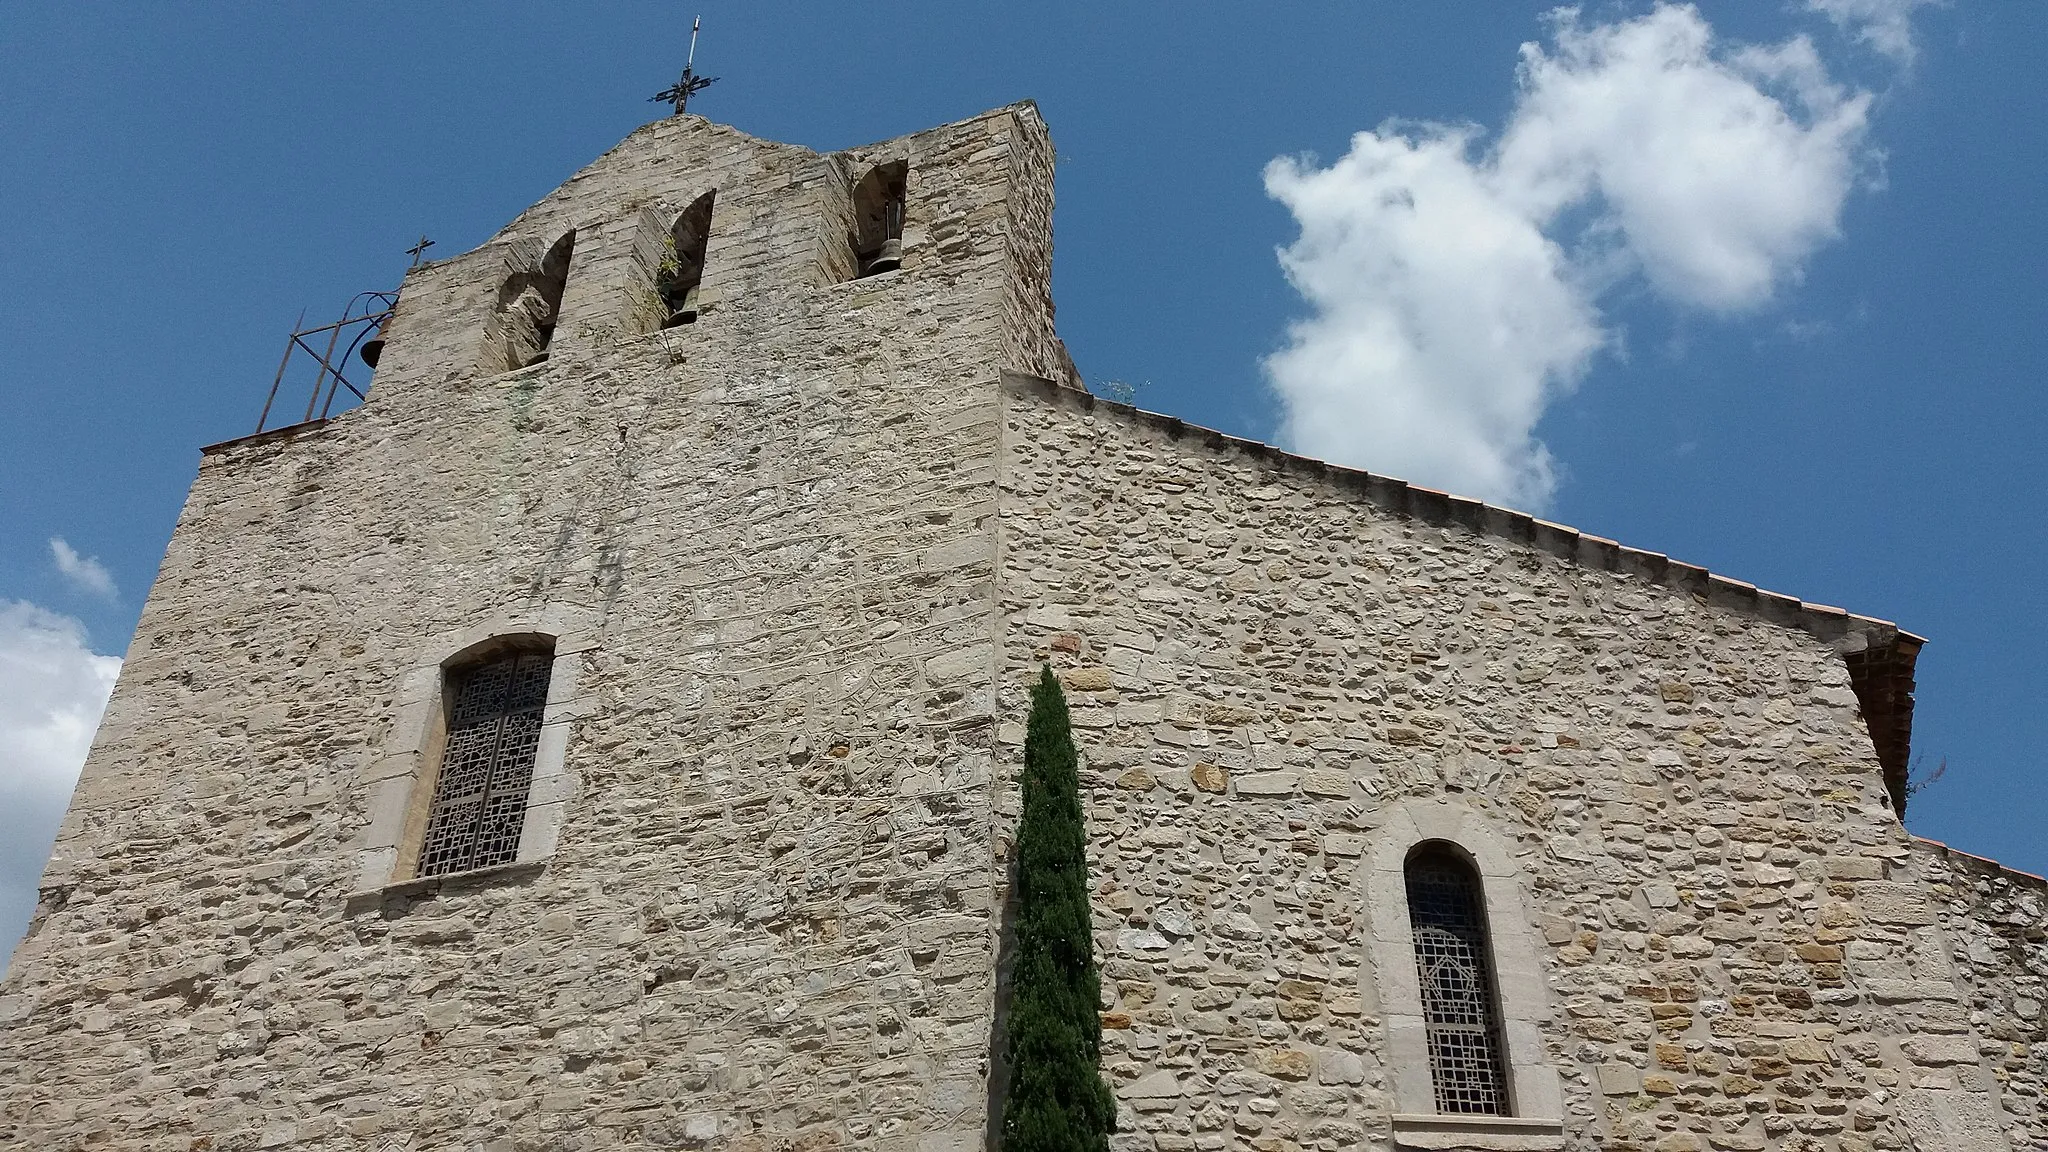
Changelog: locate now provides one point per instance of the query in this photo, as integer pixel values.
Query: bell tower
(587, 740)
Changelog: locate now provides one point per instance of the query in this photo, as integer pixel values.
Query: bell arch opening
(682, 262)
(529, 306)
(878, 201)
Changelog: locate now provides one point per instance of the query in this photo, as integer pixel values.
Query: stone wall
(1997, 922)
(1733, 948)
(767, 923)
(1032, 344)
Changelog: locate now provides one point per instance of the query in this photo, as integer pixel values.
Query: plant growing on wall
(1057, 1101)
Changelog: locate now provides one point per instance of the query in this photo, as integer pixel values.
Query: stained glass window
(494, 719)
(1460, 1012)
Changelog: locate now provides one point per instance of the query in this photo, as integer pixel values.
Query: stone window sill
(422, 887)
(1448, 1132)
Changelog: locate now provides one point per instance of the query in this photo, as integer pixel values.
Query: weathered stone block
(1891, 902)
(1285, 1063)
(1940, 1049)
(1854, 868)
(1086, 679)
(1268, 784)
(1620, 1079)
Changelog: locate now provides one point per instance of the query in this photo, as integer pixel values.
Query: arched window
(529, 304)
(494, 711)
(878, 219)
(682, 262)
(1460, 1004)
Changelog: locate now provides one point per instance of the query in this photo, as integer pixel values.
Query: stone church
(606, 737)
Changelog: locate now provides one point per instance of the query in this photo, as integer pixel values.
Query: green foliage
(1057, 1101)
(671, 259)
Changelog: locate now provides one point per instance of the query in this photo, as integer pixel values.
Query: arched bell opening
(682, 262)
(878, 219)
(530, 304)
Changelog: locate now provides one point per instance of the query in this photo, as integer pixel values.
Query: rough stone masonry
(798, 563)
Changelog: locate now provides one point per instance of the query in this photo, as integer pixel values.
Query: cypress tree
(1057, 1101)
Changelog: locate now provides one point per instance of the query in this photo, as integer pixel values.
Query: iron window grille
(1460, 1008)
(487, 765)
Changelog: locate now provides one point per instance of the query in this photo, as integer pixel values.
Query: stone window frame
(406, 764)
(1535, 1092)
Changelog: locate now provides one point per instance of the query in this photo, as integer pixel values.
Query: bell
(887, 258)
(686, 312)
(373, 347)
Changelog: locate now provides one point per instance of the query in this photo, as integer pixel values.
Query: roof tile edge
(1931, 845)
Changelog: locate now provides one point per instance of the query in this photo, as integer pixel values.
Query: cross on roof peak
(679, 93)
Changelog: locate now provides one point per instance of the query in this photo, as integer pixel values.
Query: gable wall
(766, 921)
(1736, 934)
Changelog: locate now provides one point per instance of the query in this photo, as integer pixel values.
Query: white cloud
(52, 691)
(1885, 25)
(85, 571)
(1443, 318)
(1454, 291)
(1719, 174)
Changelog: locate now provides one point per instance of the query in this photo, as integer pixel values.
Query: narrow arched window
(878, 219)
(1460, 1005)
(494, 713)
(530, 303)
(682, 262)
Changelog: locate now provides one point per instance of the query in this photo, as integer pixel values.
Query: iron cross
(418, 252)
(679, 93)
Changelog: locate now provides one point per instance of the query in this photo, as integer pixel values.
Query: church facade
(605, 738)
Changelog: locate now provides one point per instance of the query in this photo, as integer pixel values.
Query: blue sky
(1759, 285)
